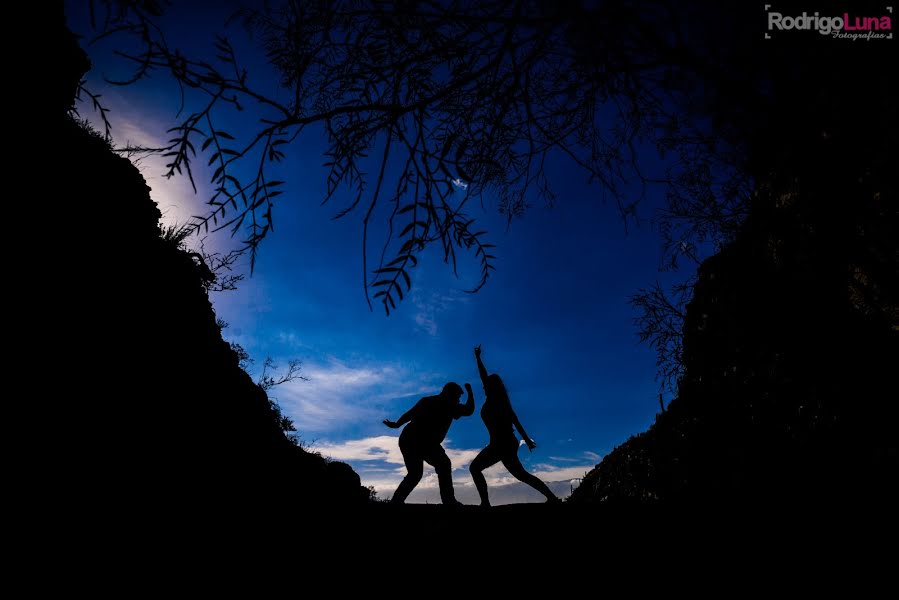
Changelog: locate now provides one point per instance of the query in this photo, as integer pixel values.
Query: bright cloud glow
(334, 396)
(386, 448)
(338, 395)
(379, 462)
(175, 196)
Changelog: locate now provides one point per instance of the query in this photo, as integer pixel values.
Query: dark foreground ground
(433, 551)
(567, 529)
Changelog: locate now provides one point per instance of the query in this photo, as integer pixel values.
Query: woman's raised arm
(481, 368)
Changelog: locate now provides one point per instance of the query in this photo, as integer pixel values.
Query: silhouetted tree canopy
(431, 108)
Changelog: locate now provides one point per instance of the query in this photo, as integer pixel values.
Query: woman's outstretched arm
(481, 368)
(531, 444)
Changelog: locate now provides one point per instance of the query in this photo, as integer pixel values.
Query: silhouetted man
(429, 420)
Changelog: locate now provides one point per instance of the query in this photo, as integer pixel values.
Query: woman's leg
(514, 466)
(488, 457)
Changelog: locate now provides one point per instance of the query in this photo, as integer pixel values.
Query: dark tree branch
(464, 96)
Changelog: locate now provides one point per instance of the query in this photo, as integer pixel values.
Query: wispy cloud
(386, 448)
(334, 396)
(430, 306)
(338, 395)
(291, 340)
(383, 447)
(127, 131)
(425, 321)
(593, 456)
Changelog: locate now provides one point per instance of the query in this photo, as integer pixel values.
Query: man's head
(452, 390)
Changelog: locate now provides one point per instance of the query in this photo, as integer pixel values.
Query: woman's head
(495, 386)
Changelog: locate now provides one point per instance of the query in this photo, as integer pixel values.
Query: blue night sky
(553, 319)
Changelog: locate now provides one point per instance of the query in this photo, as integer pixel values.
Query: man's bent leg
(414, 470)
(440, 461)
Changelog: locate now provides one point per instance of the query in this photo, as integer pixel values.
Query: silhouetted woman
(499, 418)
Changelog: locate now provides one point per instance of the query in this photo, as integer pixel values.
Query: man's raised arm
(467, 409)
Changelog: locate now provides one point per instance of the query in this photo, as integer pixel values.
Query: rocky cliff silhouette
(158, 414)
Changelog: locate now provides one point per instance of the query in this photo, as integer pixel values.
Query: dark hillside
(159, 413)
(791, 341)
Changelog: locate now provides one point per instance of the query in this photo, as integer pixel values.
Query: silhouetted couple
(430, 419)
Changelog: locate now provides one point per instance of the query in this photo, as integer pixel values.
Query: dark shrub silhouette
(790, 341)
